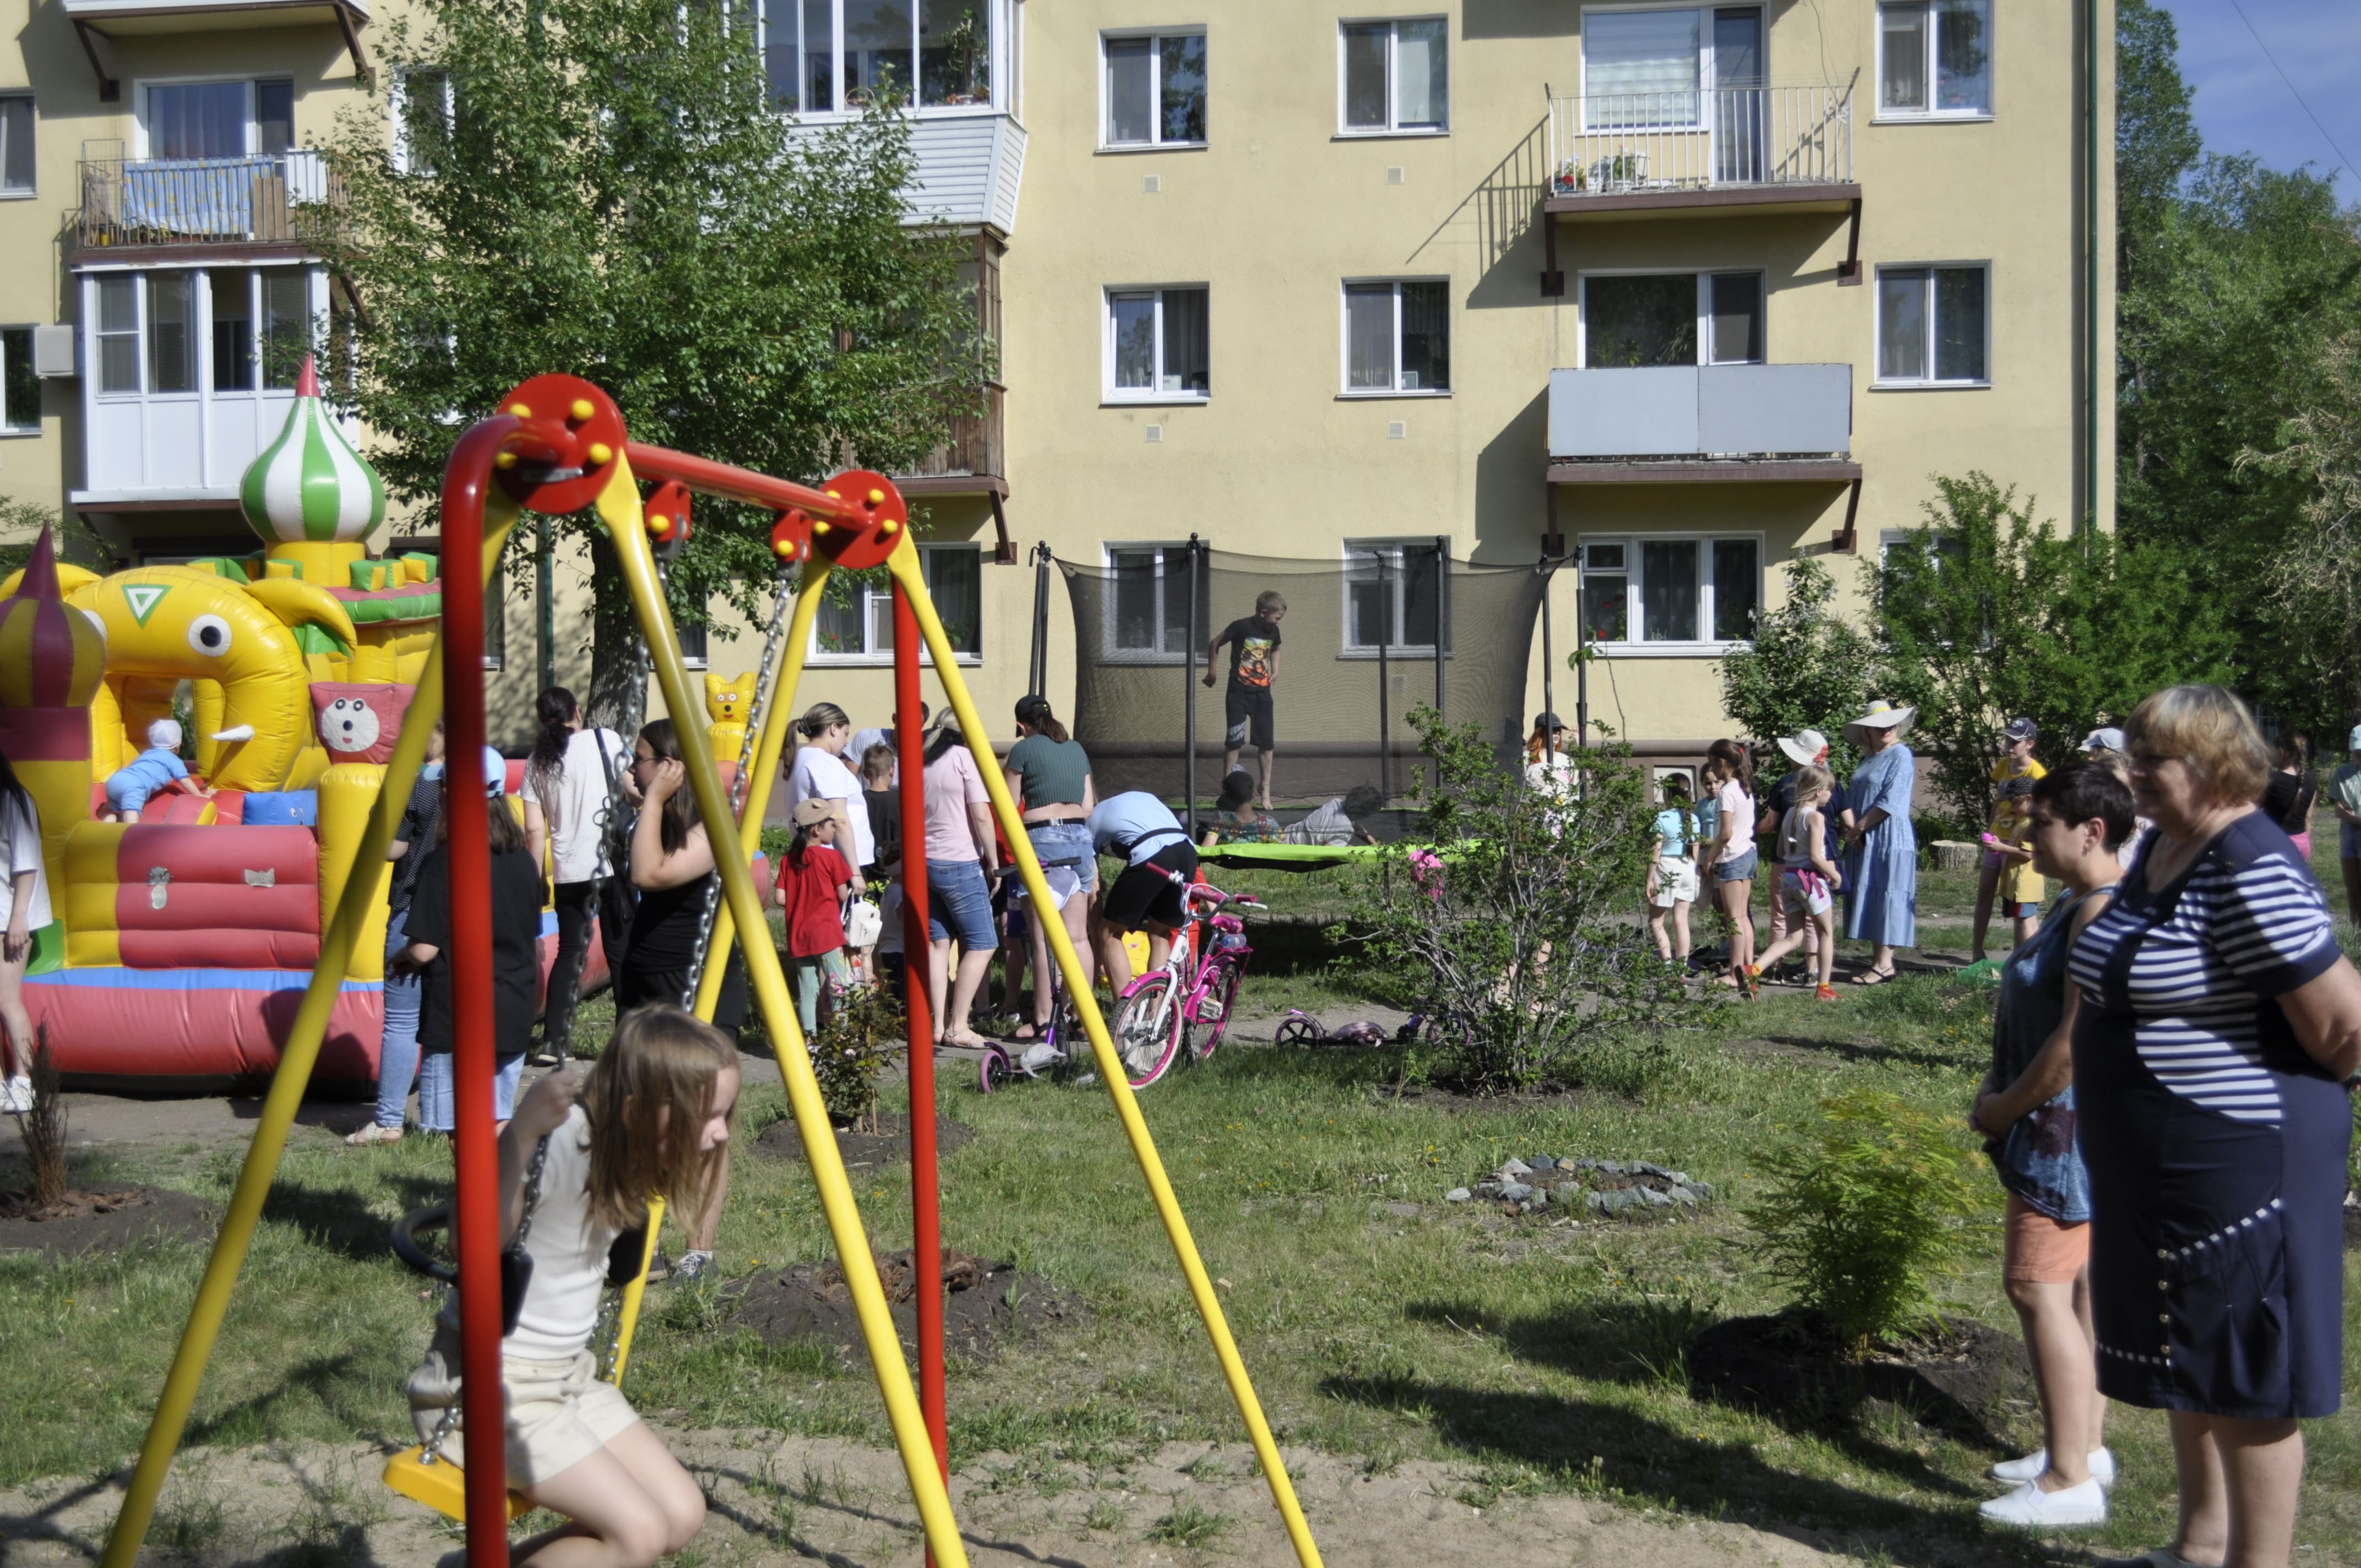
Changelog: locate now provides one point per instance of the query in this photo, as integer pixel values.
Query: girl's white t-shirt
(568, 1252)
(20, 847)
(1737, 814)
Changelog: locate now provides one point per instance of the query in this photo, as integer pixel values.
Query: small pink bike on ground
(1162, 1011)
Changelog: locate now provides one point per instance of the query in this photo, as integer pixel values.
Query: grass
(1534, 1356)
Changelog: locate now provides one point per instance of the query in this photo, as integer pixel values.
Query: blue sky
(2242, 104)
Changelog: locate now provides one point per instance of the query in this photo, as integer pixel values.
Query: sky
(2243, 105)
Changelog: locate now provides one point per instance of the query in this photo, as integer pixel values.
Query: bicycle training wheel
(1147, 1029)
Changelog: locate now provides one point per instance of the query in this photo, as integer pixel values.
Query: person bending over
(652, 1119)
(1141, 831)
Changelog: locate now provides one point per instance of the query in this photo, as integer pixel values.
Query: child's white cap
(165, 733)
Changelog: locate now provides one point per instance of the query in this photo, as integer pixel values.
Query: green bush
(856, 1043)
(1862, 1216)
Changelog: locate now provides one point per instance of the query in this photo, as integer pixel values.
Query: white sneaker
(2103, 1466)
(16, 1096)
(2030, 1508)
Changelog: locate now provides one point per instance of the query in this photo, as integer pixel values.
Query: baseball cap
(813, 811)
(2112, 740)
(2355, 739)
(1032, 708)
(2021, 730)
(1544, 721)
(496, 774)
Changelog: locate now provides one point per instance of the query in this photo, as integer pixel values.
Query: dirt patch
(890, 1145)
(988, 1304)
(1963, 1376)
(101, 1220)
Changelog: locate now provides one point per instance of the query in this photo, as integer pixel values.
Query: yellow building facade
(1673, 293)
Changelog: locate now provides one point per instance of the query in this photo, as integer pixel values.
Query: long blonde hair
(648, 1098)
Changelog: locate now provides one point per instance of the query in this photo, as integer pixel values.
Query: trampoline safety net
(1357, 651)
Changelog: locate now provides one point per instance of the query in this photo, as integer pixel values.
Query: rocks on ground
(1584, 1187)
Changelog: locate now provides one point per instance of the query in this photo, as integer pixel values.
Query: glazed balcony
(970, 460)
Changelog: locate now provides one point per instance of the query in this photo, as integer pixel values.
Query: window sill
(1958, 117)
(929, 112)
(1930, 386)
(1667, 650)
(1125, 149)
(19, 195)
(1393, 396)
(20, 432)
(1174, 402)
(1393, 136)
(885, 660)
(1421, 653)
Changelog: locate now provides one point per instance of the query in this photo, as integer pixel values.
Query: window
(821, 56)
(421, 119)
(1155, 89)
(1690, 593)
(862, 630)
(1934, 58)
(16, 174)
(171, 328)
(496, 625)
(1397, 338)
(1393, 595)
(1395, 77)
(696, 642)
(1672, 318)
(189, 120)
(1147, 601)
(1933, 326)
(118, 333)
(257, 324)
(1156, 345)
(20, 389)
(286, 327)
(234, 358)
(1649, 68)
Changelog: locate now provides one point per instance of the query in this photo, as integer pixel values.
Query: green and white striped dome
(309, 486)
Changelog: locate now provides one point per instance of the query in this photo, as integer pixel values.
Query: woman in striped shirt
(2218, 1018)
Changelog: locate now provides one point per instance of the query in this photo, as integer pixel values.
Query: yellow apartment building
(1668, 295)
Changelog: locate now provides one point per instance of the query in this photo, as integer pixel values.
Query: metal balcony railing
(1630, 143)
(973, 446)
(269, 198)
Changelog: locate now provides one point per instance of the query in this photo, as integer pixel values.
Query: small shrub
(45, 1128)
(857, 1043)
(1188, 1525)
(1864, 1214)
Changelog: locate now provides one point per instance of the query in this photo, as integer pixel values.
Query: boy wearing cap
(2008, 850)
(2344, 799)
(155, 771)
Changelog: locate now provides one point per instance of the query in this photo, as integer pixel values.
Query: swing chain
(432, 1450)
(757, 716)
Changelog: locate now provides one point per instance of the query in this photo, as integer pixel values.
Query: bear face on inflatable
(358, 721)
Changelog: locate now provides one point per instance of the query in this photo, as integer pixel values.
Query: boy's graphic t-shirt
(1252, 642)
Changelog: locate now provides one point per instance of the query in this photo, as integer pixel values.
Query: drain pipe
(2091, 366)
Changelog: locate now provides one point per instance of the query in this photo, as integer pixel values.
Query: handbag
(862, 924)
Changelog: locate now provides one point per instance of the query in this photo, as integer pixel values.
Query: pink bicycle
(1160, 1012)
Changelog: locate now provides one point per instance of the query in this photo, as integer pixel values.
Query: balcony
(124, 18)
(1702, 424)
(1633, 154)
(970, 460)
(269, 203)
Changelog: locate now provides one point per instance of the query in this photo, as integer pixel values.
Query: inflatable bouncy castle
(181, 943)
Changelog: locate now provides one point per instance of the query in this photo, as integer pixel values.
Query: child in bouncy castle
(516, 963)
(577, 1166)
(155, 771)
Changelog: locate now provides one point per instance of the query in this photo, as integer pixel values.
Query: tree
(1808, 667)
(2315, 581)
(2156, 142)
(602, 187)
(1988, 614)
(1513, 934)
(75, 542)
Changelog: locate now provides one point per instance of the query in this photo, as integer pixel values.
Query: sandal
(1872, 977)
(1026, 1033)
(373, 1134)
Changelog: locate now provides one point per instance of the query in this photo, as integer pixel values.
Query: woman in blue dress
(1882, 875)
(2218, 1020)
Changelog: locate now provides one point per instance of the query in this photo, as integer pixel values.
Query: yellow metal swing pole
(777, 720)
(619, 508)
(903, 564)
(288, 1082)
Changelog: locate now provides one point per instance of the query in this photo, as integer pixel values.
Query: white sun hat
(1882, 715)
(1805, 747)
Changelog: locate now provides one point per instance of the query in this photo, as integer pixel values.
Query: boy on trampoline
(654, 1117)
(1253, 669)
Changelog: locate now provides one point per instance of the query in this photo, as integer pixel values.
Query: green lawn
(1541, 1356)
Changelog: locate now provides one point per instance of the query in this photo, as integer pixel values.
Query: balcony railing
(1636, 143)
(973, 448)
(288, 198)
(1701, 410)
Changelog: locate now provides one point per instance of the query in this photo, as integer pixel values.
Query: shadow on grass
(341, 1385)
(1610, 1449)
(343, 1220)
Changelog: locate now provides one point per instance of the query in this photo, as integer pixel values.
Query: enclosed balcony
(1702, 424)
(284, 203)
(970, 460)
(1690, 147)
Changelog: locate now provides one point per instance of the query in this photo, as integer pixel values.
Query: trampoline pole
(1037, 675)
(1385, 717)
(1189, 696)
(1549, 736)
(1441, 638)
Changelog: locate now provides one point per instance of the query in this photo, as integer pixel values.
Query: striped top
(2196, 967)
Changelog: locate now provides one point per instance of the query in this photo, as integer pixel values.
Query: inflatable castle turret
(52, 660)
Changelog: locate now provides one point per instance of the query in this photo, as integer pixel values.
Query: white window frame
(877, 609)
(1154, 142)
(1634, 585)
(1708, 68)
(1704, 277)
(1933, 48)
(1393, 126)
(1345, 387)
(1879, 381)
(1004, 15)
(144, 85)
(400, 104)
(33, 119)
(703, 658)
(1359, 568)
(1110, 652)
(1109, 391)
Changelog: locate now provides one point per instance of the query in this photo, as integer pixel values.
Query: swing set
(557, 445)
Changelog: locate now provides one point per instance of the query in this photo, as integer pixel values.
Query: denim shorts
(1739, 867)
(959, 891)
(1065, 844)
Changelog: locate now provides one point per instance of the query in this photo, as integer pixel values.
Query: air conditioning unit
(53, 353)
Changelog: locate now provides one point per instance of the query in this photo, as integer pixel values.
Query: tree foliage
(1808, 667)
(2315, 582)
(1987, 614)
(602, 187)
(1513, 934)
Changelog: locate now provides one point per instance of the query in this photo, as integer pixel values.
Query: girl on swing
(652, 1118)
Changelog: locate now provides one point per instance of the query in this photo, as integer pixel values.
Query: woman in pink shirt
(962, 852)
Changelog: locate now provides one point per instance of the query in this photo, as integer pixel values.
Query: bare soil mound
(889, 1145)
(987, 1304)
(106, 1219)
(1963, 1375)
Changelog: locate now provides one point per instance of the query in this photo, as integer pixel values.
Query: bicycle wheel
(1224, 995)
(992, 1073)
(1148, 1028)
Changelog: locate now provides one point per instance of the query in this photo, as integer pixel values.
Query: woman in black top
(2292, 788)
(397, 1057)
